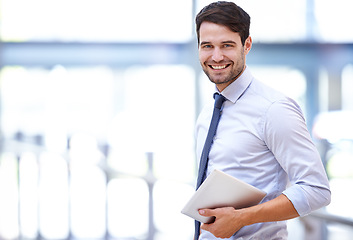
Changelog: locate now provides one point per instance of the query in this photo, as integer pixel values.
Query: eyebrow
(224, 42)
(204, 43)
(229, 41)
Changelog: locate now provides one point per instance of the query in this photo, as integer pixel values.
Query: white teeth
(219, 67)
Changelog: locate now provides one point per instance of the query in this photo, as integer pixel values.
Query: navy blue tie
(219, 99)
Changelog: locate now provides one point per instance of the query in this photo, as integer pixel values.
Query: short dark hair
(227, 14)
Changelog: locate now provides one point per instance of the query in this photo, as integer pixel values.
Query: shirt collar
(234, 91)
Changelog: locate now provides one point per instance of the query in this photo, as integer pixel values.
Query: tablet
(221, 190)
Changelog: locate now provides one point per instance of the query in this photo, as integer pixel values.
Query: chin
(219, 81)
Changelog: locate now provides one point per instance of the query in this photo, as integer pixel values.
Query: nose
(217, 55)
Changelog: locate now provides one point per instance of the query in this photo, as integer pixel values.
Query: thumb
(207, 212)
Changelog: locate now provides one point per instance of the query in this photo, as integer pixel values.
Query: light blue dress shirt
(262, 139)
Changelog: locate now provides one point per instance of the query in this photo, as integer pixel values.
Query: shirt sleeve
(287, 136)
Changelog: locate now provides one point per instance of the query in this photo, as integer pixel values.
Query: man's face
(221, 53)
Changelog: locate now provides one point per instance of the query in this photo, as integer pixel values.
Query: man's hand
(226, 222)
(229, 220)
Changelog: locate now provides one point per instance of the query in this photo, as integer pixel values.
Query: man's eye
(206, 46)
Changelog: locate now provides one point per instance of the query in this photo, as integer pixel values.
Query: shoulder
(278, 111)
(285, 120)
(266, 93)
(274, 101)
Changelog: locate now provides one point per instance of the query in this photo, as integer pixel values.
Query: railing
(331, 218)
(21, 144)
(315, 224)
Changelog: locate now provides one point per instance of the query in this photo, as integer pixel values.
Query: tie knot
(219, 99)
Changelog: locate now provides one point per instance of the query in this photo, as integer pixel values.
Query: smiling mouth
(218, 67)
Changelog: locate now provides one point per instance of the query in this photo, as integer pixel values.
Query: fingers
(207, 212)
(225, 224)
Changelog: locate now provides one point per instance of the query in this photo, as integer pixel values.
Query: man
(261, 137)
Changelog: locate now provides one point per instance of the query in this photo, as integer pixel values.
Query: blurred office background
(98, 100)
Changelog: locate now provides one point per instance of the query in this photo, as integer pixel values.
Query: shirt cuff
(296, 194)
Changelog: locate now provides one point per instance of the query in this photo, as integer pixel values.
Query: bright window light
(96, 20)
(334, 20)
(9, 196)
(53, 196)
(169, 198)
(347, 86)
(87, 188)
(128, 208)
(29, 170)
(158, 116)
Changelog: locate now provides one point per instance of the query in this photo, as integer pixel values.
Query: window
(334, 20)
(95, 20)
(75, 110)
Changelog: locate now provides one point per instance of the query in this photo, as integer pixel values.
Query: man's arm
(230, 220)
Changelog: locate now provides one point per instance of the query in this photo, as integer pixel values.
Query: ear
(247, 45)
